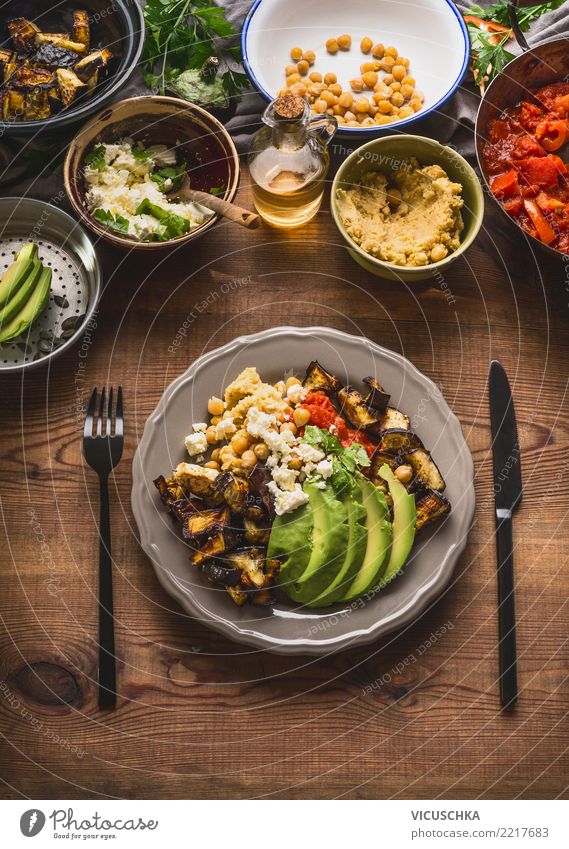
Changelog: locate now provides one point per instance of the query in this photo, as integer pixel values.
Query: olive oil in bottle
(288, 162)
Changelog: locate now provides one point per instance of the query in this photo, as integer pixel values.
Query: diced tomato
(526, 146)
(544, 230)
(498, 131)
(543, 171)
(505, 185)
(514, 206)
(323, 414)
(561, 104)
(529, 114)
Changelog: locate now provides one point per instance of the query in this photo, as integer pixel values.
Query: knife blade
(507, 497)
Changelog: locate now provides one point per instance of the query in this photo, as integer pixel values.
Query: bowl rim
(115, 239)
(97, 277)
(67, 118)
(402, 270)
(389, 128)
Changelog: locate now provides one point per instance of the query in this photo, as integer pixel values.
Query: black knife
(507, 496)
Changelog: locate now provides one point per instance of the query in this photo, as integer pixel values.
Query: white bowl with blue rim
(430, 33)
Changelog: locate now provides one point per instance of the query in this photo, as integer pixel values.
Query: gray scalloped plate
(279, 352)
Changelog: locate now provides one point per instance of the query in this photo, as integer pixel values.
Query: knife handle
(507, 610)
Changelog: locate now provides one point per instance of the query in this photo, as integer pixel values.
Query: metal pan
(76, 281)
(535, 67)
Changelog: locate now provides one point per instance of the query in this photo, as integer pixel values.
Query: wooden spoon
(223, 207)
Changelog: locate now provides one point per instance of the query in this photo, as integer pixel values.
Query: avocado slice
(329, 544)
(290, 541)
(378, 528)
(31, 309)
(17, 272)
(16, 303)
(355, 553)
(404, 517)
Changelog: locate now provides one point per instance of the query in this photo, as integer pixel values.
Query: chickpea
(296, 54)
(330, 110)
(388, 79)
(372, 110)
(368, 121)
(292, 79)
(361, 104)
(346, 100)
(295, 463)
(288, 426)
(210, 436)
(330, 78)
(309, 56)
(315, 89)
(394, 87)
(301, 416)
(261, 451)
(349, 117)
(370, 79)
(291, 69)
(315, 77)
(215, 454)
(328, 97)
(399, 72)
(397, 98)
(337, 110)
(415, 104)
(303, 67)
(336, 89)
(407, 80)
(215, 406)
(215, 420)
(299, 89)
(344, 41)
(366, 67)
(357, 84)
(438, 252)
(249, 459)
(407, 91)
(366, 44)
(405, 112)
(386, 64)
(403, 61)
(380, 120)
(211, 464)
(392, 51)
(378, 50)
(320, 106)
(239, 444)
(332, 46)
(384, 107)
(403, 473)
(353, 124)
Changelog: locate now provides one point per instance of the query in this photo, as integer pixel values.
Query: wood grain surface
(200, 717)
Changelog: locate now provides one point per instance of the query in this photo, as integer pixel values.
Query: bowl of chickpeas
(410, 200)
(374, 66)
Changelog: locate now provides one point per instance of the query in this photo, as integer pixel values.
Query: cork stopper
(289, 107)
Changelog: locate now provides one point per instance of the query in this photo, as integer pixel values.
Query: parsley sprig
(182, 34)
(345, 461)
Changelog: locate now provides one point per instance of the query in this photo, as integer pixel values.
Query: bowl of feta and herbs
(124, 168)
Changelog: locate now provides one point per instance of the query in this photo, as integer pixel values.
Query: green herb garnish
(140, 154)
(174, 225)
(113, 222)
(183, 34)
(96, 159)
(217, 191)
(345, 461)
(170, 172)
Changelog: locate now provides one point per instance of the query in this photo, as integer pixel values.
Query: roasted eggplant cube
(377, 398)
(37, 104)
(51, 56)
(317, 379)
(426, 474)
(234, 491)
(11, 67)
(356, 411)
(23, 34)
(81, 32)
(13, 105)
(220, 575)
(395, 419)
(54, 98)
(60, 40)
(430, 507)
(206, 523)
(96, 61)
(213, 547)
(91, 82)
(378, 459)
(396, 440)
(257, 532)
(238, 596)
(70, 85)
(31, 78)
(250, 562)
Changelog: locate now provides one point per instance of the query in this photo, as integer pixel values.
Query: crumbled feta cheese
(224, 428)
(332, 428)
(324, 468)
(196, 443)
(285, 478)
(258, 423)
(199, 427)
(321, 484)
(309, 453)
(296, 393)
(286, 502)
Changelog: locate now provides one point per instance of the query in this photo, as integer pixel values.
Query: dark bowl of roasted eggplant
(60, 63)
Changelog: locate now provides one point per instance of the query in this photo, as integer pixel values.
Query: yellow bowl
(385, 155)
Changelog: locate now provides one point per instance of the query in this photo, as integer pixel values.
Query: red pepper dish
(526, 173)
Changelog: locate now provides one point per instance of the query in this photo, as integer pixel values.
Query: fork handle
(107, 684)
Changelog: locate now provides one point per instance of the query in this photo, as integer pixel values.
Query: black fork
(102, 452)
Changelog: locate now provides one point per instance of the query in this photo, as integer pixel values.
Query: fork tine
(119, 417)
(88, 428)
(109, 411)
(101, 413)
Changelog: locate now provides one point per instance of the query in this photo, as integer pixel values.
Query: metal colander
(75, 285)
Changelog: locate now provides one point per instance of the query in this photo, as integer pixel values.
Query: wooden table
(201, 717)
